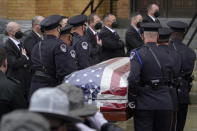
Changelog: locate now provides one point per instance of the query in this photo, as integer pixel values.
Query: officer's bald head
(12, 28)
(149, 36)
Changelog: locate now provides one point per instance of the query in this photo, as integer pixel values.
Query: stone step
(193, 97)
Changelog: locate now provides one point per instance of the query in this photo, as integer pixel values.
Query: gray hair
(134, 15)
(36, 20)
(11, 26)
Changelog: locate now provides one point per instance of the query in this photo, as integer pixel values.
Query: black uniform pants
(181, 116)
(174, 121)
(152, 120)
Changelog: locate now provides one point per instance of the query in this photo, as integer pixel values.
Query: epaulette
(14, 80)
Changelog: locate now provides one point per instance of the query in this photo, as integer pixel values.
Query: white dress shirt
(16, 42)
(152, 18)
(110, 29)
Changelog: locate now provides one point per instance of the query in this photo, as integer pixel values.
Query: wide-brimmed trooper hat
(23, 120)
(52, 102)
(78, 107)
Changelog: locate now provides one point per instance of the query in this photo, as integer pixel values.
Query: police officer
(188, 58)
(148, 81)
(51, 58)
(163, 42)
(66, 35)
(79, 44)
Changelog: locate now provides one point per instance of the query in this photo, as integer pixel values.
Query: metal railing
(91, 4)
(189, 27)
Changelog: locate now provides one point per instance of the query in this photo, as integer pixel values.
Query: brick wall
(3, 8)
(27, 9)
(123, 8)
(20, 9)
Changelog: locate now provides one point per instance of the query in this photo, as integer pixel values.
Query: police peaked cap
(153, 27)
(66, 29)
(77, 20)
(164, 34)
(178, 26)
(51, 22)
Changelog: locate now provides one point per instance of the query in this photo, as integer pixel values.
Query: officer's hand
(97, 120)
(99, 42)
(24, 51)
(83, 127)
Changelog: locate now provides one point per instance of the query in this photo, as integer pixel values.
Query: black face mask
(42, 30)
(98, 26)
(114, 25)
(18, 35)
(139, 25)
(157, 14)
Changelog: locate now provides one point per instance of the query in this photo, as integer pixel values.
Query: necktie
(139, 33)
(156, 20)
(20, 46)
(96, 36)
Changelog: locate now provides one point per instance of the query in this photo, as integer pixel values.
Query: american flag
(104, 84)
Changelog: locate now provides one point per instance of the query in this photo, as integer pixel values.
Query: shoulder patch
(72, 53)
(84, 45)
(132, 55)
(63, 47)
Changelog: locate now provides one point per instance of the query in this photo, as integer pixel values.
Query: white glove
(97, 120)
(83, 127)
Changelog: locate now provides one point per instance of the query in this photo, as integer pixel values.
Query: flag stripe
(108, 72)
(115, 88)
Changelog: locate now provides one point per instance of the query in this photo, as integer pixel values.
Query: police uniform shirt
(58, 58)
(143, 69)
(188, 58)
(151, 64)
(80, 46)
(82, 50)
(52, 53)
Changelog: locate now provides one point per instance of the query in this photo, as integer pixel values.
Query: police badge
(72, 53)
(85, 45)
(63, 47)
(132, 55)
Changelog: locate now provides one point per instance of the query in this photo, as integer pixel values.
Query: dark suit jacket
(112, 45)
(29, 42)
(147, 19)
(11, 96)
(94, 48)
(133, 39)
(18, 65)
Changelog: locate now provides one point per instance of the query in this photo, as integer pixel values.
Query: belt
(155, 83)
(40, 73)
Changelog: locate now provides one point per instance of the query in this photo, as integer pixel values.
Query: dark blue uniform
(56, 61)
(188, 58)
(79, 44)
(149, 81)
(82, 50)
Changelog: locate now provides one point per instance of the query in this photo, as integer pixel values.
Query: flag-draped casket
(104, 84)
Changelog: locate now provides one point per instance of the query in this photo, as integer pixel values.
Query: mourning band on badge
(84, 45)
(63, 47)
(72, 53)
(132, 55)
